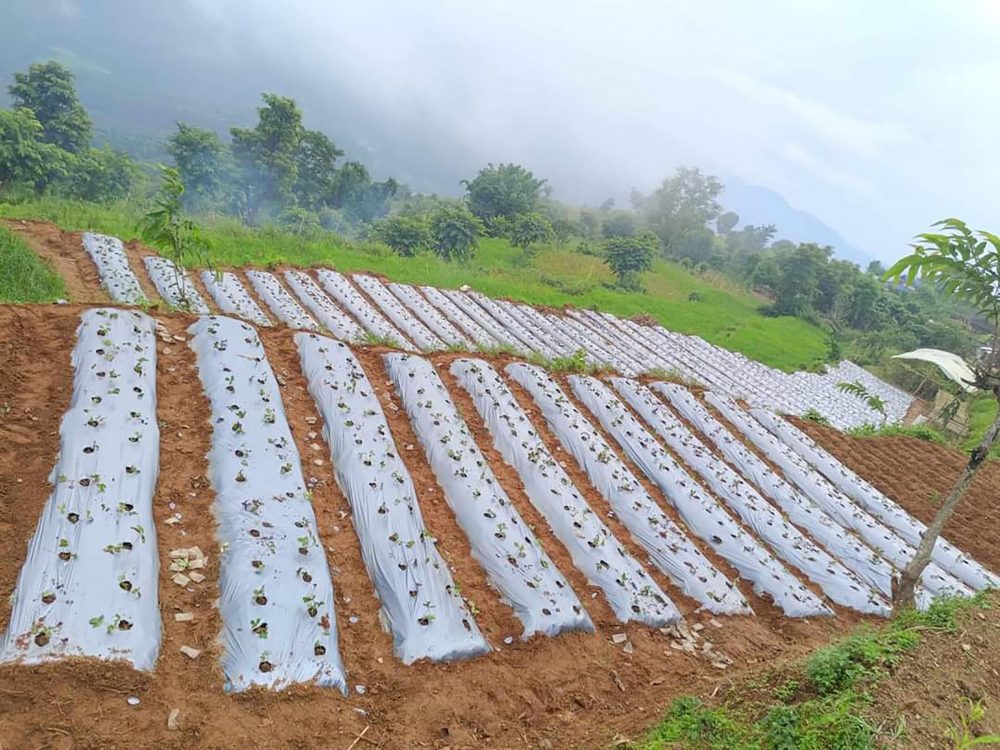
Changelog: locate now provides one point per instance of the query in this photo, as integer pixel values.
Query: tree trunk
(903, 596)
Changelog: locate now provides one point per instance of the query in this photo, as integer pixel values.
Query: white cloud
(867, 137)
(798, 155)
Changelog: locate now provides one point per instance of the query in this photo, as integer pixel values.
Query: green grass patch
(918, 431)
(555, 276)
(818, 704)
(982, 412)
(24, 277)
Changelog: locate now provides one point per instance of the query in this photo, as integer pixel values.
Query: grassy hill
(555, 276)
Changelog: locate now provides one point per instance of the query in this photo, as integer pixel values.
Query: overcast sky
(877, 116)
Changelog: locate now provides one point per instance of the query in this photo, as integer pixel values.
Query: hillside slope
(682, 301)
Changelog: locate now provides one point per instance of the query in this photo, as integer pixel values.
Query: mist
(877, 118)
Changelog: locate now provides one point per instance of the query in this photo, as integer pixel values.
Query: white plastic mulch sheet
(89, 584)
(605, 350)
(832, 500)
(483, 319)
(282, 304)
(668, 547)
(232, 297)
(420, 334)
(421, 605)
(275, 594)
(338, 287)
(341, 325)
(483, 338)
(864, 560)
(633, 595)
(506, 321)
(703, 515)
(117, 276)
(443, 328)
(174, 286)
(515, 563)
(909, 528)
(838, 581)
(542, 329)
(553, 327)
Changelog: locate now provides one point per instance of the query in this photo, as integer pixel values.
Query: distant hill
(757, 204)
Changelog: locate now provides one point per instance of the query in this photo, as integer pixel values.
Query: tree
(506, 190)
(164, 228)
(527, 229)
(618, 224)
(727, 222)
(314, 158)
(407, 235)
(100, 175)
(696, 243)
(684, 202)
(590, 223)
(964, 264)
(299, 221)
(267, 155)
(875, 268)
(798, 286)
(629, 256)
(24, 158)
(455, 231)
(48, 90)
(361, 199)
(203, 163)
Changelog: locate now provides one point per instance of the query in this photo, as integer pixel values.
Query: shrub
(407, 235)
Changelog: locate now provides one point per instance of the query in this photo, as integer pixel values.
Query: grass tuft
(24, 277)
(823, 706)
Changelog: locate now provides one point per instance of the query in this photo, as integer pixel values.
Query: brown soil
(35, 387)
(918, 474)
(933, 685)
(917, 701)
(199, 285)
(135, 253)
(64, 252)
(573, 691)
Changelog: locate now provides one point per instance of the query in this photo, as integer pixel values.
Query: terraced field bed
(227, 534)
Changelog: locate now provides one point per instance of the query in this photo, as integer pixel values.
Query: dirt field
(918, 475)
(568, 692)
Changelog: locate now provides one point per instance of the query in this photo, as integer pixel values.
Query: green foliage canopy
(505, 190)
(407, 235)
(48, 89)
(455, 231)
(629, 256)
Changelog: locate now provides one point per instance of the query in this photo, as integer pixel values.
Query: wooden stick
(358, 738)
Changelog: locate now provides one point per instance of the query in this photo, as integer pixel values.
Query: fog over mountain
(817, 115)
